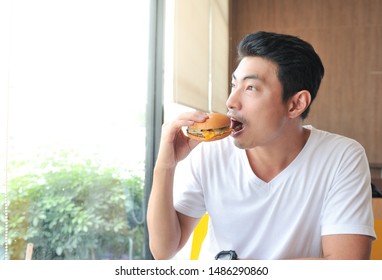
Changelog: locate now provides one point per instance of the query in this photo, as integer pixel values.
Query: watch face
(226, 255)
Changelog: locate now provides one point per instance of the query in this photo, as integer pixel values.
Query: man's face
(255, 103)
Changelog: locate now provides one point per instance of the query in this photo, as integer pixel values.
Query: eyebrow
(248, 77)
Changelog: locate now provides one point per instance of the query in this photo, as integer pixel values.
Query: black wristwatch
(226, 255)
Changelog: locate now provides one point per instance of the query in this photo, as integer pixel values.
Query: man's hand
(174, 145)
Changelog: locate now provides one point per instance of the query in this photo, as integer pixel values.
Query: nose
(233, 101)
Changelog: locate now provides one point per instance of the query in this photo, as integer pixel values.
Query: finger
(184, 120)
(194, 116)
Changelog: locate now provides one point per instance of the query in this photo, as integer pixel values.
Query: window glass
(73, 99)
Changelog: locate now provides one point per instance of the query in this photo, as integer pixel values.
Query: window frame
(154, 109)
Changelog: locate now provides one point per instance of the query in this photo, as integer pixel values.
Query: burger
(216, 127)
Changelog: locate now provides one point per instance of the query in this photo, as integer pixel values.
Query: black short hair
(299, 66)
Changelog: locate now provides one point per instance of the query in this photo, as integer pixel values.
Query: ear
(298, 103)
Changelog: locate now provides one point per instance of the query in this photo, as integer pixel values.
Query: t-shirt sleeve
(347, 207)
(188, 191)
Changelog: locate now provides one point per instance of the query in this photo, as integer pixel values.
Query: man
(274, 189)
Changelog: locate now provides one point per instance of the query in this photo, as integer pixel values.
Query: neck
(267, 162)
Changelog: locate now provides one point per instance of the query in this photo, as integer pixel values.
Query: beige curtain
(200, 55)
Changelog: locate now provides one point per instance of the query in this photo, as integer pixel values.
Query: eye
(251, 88)
(233, 85)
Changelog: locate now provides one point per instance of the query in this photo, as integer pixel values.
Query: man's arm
(168, 229)
(346, 247)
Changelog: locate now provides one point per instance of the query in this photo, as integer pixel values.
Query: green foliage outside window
(73, 209)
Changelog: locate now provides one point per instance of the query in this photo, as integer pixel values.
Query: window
(73, 95)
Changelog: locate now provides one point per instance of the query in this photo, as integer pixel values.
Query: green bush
(74, 209)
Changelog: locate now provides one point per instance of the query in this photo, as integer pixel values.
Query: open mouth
(236, 126)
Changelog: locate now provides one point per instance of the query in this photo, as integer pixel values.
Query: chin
(239, 144)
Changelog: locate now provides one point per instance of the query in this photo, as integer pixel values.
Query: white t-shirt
(325, 190)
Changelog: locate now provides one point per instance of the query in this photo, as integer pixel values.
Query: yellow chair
(376, 250)
(199, 234)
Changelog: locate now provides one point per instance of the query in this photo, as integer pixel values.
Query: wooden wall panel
(347, 34)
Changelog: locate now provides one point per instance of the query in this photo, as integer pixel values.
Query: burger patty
(208, 133)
